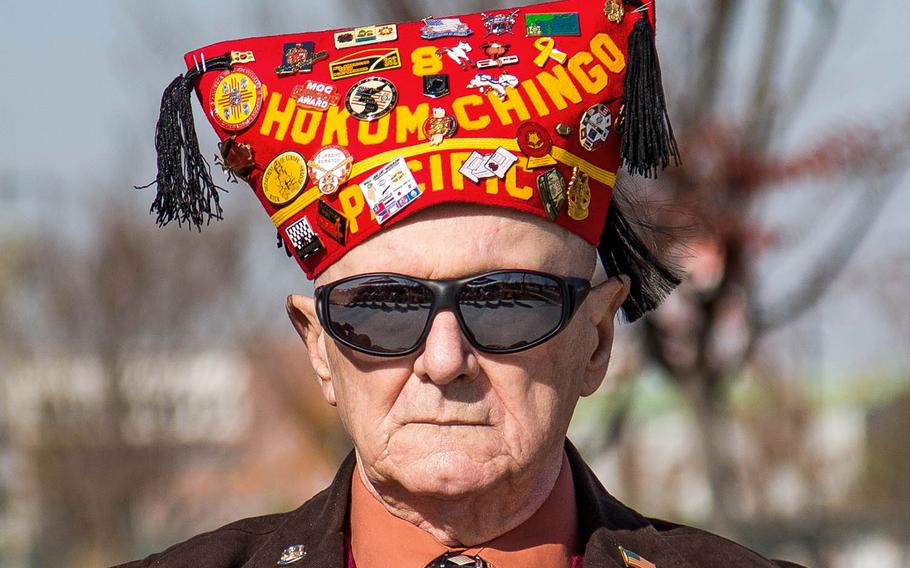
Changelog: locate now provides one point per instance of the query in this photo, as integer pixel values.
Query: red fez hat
(344, 133)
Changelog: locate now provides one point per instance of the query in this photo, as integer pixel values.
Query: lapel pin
(633, 560)
(291, 555)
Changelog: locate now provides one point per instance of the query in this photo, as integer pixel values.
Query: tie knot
(457, 560)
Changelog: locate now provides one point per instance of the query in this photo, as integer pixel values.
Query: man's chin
(449, 466)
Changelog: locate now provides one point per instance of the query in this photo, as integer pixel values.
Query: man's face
(448, 420)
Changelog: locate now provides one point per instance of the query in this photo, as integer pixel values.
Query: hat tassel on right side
(648, 144)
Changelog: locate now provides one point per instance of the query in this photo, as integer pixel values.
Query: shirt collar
(548, 538)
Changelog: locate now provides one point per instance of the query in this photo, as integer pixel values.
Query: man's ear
(302, 311)
(605, 300)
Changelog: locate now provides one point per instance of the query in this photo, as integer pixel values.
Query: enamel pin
(236, 99)
(579, 195)
(284, 178)
(371, 98)
(439, 127)
(595, 127)
(299, 58)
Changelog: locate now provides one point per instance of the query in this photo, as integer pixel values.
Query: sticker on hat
(284, 178)
(499, 85)
(330, 167)
(561, 24)
(365, 61)
(439, 127)
(436, 86)
(304, 239)
(458, 54)
(236, 158)
(316, 96)
(595, 127)
(535, 142)
(435, 28)
(547, 48)
(366, 35)
(299, 58)
(496, 52)
(371, 98)
(478, 166)
(332, 222)
(499, 24)
(579, 195)
(552, 189)
(236, 99)
(390, 189)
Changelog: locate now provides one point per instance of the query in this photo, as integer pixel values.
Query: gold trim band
(559, 154)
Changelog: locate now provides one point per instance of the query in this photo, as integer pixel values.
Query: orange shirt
(549, 537)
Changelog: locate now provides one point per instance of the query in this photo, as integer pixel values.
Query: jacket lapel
(605, 524)
(319, 525)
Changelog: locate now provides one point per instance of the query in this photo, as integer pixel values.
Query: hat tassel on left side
(186, 191)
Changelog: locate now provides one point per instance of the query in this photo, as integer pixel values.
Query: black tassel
(186, 191)
(622, 251)
(648, 144)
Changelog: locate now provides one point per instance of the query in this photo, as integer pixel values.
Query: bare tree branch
(833, 260)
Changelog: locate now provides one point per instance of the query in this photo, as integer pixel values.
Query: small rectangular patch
(332, 222)
(365, 61)
(367, 35)
(562, 24)
(390, 189)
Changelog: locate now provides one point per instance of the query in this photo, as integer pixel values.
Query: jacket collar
(604, 525)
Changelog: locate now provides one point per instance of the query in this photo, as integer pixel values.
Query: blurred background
(151, 387)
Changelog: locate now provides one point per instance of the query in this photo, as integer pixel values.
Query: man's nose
(447, 354)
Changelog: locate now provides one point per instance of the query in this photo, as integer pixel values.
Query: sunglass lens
(507, 311)
(383, 314)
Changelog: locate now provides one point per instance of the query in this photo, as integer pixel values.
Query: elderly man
(469, 260)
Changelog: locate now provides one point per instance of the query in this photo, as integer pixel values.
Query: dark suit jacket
(320, 524)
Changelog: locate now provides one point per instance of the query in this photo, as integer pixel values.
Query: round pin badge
(284, 178)
(236, 99)
(330, 167)
(371, 98)
(595, 127)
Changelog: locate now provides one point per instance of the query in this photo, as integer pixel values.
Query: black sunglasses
(506, 311)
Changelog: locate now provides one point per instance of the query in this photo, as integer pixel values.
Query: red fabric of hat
(344, 133)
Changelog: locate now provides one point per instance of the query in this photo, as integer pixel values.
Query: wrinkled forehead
(456, 240)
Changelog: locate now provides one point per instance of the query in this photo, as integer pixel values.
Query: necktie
(458, 560)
